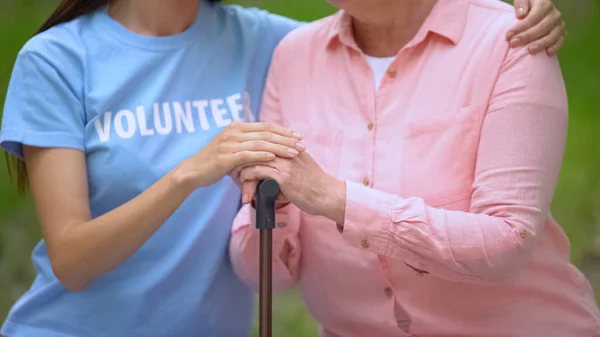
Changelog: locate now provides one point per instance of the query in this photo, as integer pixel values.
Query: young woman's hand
(540, 26)
(240, 144)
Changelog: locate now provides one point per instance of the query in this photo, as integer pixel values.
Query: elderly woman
(422, 204)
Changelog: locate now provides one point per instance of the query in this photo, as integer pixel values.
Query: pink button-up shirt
(450, 168)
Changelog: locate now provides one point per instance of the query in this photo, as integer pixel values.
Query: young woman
(128, 117)
(422, 204)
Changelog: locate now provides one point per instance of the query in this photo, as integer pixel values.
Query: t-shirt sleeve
(43, 106)
(277, 26)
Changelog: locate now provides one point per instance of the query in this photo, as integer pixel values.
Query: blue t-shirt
(137, 106)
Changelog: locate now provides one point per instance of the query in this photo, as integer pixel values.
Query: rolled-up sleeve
(518, 162)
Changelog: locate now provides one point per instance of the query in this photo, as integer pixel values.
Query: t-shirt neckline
(193, 33)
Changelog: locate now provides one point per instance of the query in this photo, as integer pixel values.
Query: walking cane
(266, 195)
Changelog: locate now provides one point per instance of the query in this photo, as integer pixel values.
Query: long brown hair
(66, 11)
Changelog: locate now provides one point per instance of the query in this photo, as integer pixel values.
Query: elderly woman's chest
(412, 137)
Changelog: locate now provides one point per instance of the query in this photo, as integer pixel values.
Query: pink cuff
(367, 221)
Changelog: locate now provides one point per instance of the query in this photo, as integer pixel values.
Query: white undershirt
(379, 66)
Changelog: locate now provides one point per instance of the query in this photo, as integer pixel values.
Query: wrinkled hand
(302, 182)
(541, 26)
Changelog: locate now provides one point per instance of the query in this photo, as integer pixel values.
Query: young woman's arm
(81, 248)
(44, 121)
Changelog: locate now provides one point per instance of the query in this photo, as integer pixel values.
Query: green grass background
(576, 203)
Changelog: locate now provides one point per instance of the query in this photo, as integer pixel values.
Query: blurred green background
(576, 204)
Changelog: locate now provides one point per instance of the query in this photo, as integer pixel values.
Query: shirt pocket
(439, 155)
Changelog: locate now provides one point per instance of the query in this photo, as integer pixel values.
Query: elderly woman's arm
(518, 162)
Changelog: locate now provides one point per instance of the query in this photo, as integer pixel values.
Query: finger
(553, 50)
(248, 190)
(235, 174)
(525, 30)
(547, 41)
(274, 138)
(263, 146)
(246, 158)
(275, 164)
(521, 8)
(258, 172)
(269, 127)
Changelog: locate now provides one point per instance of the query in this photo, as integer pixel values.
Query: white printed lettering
(176, 116)
(218, 112)
(131, 126)
(168, 126)
(183, 117)
(235, 106)
(103, 130)
(141, 115)
(201, 107)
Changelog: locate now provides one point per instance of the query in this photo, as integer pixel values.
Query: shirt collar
(447, 19)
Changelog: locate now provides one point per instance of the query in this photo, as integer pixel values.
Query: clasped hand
(302, 181)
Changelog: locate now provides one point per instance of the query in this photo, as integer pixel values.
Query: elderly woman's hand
(541, 26)
(302, 182)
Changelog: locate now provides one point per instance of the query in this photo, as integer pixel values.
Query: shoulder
(60, 47)
(490, 16)
(314, 35)
(53, 59)
(256, 20)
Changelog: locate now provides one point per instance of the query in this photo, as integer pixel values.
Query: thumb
(248, 190)
(522, 8)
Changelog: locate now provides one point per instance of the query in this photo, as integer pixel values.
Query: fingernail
(510, 35)
(515, 42)
(297, 135)
(301, 146)
(293, 151)
(245, 199)
(521, 10)
(534, 48)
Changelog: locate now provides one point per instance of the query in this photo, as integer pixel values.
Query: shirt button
(371, 126)
(366, 182)
(392, 73)
(281, 224)
(365, 244)
(389, 292)
(523, 234)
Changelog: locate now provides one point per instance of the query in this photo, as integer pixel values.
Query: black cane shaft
(266, 286)
(266, 196)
